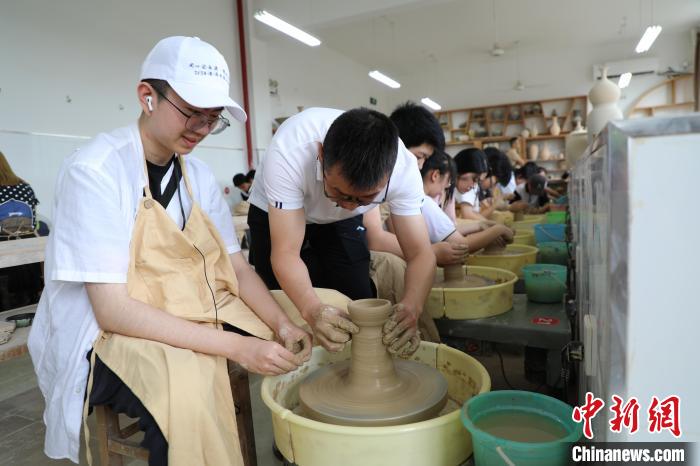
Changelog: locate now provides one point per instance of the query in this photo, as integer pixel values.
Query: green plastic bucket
(556, 217)
(545, 283)
(553, 252)
(507, 407)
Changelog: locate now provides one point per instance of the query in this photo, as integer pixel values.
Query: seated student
(450, 243)
(438, 173)
(531, 197)
(552, 194)
(501, 172)
(142, 271)
(526, 171)
(471, 170)
(242, 182)
(422, 134)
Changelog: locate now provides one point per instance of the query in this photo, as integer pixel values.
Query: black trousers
(336, 254)
(108, 389)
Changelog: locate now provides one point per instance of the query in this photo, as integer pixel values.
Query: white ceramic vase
(603, 96)
(533, 151)
(555, 129)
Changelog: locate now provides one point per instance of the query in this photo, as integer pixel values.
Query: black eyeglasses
(354, 200)
(197, 121)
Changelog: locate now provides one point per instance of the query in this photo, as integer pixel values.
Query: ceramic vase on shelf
(603, 96)
(545, 154)
(555, 129)
(534, 131)
(525, 133)
(533, 151)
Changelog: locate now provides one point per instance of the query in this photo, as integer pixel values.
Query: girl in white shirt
(471, 170)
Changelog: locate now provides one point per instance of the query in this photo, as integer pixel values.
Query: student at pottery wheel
(322, 171)
(471, 170)
(142, 270)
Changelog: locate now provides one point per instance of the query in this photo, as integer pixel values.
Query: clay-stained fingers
(396, 331)
(330, 345)
(340, 321)
(333, 333)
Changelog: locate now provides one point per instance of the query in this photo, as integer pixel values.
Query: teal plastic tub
(562, 200)
(553, 252)
(556, 217)
(496, 418)
(545, 283)
(549, 232)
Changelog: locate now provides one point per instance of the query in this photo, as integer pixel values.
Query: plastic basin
(553, 252)
(441, 441)
(545, 283)
(526, 237)
(518, 256)
(476, 302)
(556, 217)
(549, 232)
(491, 450)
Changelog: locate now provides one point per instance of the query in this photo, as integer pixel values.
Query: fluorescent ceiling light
(384, 79)
(283, 26)
(648, 39)
(430, 103)
(624, 81)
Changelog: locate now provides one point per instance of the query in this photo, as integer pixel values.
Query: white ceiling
(400, 36)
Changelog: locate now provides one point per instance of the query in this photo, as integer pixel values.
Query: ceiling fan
(500, 48)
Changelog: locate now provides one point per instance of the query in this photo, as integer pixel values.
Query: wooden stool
(114, 444)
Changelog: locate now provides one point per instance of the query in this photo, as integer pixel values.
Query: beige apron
(187, 393)
(387, 271)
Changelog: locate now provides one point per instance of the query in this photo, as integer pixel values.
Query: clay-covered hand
(400, 331)
(296, 340)
(507, 234)
(450, 253)
(332, 327)
(264, 357)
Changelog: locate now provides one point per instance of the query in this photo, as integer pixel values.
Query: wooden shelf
(541, 137)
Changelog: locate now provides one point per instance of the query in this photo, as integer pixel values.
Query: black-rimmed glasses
(352, 199)
(197, 120)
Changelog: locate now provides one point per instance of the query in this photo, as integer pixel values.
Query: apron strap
(181, 159)
(86, 405)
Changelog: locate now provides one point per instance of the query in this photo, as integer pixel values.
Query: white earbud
(149, 102)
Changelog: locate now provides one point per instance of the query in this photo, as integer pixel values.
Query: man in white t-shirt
(135, 216)
(323, 170)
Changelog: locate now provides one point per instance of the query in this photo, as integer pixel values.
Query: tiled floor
(21, 408)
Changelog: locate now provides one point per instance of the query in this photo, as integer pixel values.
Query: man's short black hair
(364, 144)
(239, 179)
(250, 175)
(513, 141)
(536, 184)
(418, 126)
(471, 160)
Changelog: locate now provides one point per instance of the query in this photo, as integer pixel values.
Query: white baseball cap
(195, 70)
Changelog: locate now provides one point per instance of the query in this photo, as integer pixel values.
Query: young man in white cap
(142, 270)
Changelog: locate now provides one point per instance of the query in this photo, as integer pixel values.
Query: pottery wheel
(372, 389)
(455, 277)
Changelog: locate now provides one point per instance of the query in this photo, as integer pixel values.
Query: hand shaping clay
(372, 389)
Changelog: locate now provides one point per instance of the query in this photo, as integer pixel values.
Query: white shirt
(440, 226)
(290, 175)
(510, 188)
(97, 196)
(470, 197)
